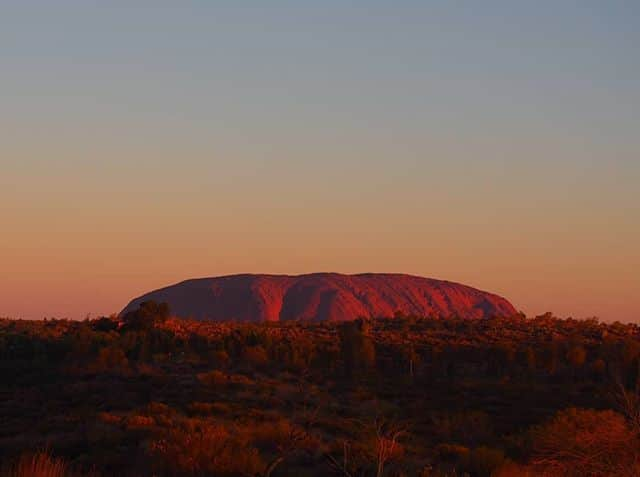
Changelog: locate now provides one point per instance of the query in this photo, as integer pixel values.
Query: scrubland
(149, 395)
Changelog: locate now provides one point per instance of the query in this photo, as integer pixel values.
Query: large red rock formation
(324, 296)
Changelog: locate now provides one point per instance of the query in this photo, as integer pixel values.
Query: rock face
(324, 296)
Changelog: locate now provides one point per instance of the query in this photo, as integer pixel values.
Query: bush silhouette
(148, 315)
(579, 442)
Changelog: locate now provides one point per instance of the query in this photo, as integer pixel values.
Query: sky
(495, 144)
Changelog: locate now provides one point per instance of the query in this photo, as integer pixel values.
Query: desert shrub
(40, 464)
(386, 449)
(255, 356)
(219, 358)
(451, 452)
(139, 422)
(482, 461)
(269, 435)
(513, 469)
(378, 447)
(578, 442)
(158, 408)
(162, 414)
(147, 370)
(109, 418)
(148, 315)
(240, 379)
(198, 448)
(466, 427)
(221, 408)
(280, 435)
(213, 378)
(202, 408)
(104, 324)
(111, 360)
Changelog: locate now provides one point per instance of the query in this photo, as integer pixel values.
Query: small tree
(148, 315)
(387, 445)
(104, 324)
(379, 445)
(358, 350)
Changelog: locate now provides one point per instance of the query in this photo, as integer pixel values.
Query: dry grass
(40, 464)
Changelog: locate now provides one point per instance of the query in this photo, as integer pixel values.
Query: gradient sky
(491, 143)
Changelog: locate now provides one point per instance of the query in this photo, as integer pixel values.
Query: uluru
(324, 297)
